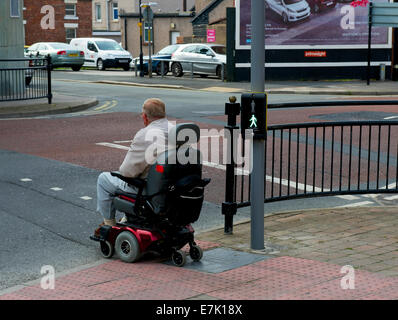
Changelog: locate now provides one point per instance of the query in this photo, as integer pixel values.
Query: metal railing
(190, 70)
(316, 159)
(325, 159)
(25, 79)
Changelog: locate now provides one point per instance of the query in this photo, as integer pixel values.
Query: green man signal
(254, 112)
(253, 121)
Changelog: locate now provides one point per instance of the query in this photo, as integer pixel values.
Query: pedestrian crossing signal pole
(254, 121)
(257, 122)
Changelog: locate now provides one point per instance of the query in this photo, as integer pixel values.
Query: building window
(14, 8)
(98, 12)
(70, 34)
(70, 10)
(147, 27)
(115, 10)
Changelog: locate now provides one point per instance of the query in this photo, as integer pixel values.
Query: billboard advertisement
(301, 24)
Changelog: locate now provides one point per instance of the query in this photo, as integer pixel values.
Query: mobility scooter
(159, 216)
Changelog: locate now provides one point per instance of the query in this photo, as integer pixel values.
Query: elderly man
(147, 144)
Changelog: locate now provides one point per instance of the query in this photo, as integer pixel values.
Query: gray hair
(154, 108)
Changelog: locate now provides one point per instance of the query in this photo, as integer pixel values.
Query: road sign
(384, 14)
(211, 35)
(148, 14)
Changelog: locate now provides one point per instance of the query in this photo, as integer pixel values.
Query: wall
(201, 4)
(11, 47)
(161, 34)
(12, 32)
(33, 16)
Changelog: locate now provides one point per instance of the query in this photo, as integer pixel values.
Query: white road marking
(56, 189)
(389, 118)
(370, 195)
(86, 198)
(356, 204)
(391, 197)
(348, 197)
(112, 145)
(25, 179)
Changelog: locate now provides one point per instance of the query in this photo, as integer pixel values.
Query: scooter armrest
(136, 182)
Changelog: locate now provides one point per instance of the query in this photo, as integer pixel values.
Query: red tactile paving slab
(275, 278)
(164, 291)
(125, 286)
(315, 270)
(243, 274)
(91, 276)
(270, 285)
(205, 282)
(154, 271)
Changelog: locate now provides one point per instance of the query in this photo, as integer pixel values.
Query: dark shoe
(97, 231)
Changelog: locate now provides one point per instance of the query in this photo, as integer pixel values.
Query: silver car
(200, 58)
(62, 54)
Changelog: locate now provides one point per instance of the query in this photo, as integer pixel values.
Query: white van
(102, 53)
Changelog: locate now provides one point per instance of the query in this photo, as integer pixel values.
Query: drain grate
(222, 259)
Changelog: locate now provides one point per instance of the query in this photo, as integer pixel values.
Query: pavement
(38, 107)
(319, 254)
(328, 254)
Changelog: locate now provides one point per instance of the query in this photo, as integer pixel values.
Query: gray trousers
(106, 188)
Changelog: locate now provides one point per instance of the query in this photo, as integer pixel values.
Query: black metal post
(230, 66)
(141, 54)
(229, 207)
(369, 40)
(49, 66)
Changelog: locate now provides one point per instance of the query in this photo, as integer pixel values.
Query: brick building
(57, 20)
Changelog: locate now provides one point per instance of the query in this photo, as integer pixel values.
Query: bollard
(382, 72)
(135, 66)
(49, 66)
(229, 207)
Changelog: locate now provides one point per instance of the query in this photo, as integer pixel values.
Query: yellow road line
(112, 105)
(103, 106)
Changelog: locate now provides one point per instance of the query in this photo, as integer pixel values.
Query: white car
(289, 10)
(192, 55)
(102, 53)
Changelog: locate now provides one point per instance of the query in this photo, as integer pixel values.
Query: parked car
(36, 61)
(62, 54)
(102, 53)
(289, 10)
(319, 5)
(196, 53)
(165, 53)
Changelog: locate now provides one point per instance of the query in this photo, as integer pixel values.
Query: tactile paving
(221, 259)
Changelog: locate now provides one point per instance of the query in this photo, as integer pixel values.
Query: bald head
(154, 109)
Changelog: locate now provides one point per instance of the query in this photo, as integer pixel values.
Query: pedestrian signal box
(254, 112)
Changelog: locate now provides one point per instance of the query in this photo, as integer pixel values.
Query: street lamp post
(141, 55)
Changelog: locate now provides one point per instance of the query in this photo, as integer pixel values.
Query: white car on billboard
(289, 10)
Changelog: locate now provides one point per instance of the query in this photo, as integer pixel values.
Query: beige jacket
(147, 144)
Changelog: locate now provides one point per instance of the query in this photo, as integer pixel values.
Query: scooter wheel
(178, 257)
(127, 247)
(196, 253)
(107, 249)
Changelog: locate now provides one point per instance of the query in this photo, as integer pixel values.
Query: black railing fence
(25, 79)
(317, 159)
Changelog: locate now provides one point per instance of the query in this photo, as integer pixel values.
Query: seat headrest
(184, 133)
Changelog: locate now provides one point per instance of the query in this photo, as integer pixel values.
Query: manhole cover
(222, 259)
